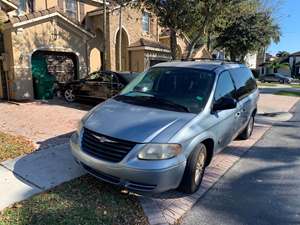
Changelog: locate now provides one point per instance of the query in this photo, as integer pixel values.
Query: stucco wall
(50, 35)
(132, 24)
(181, 43)
(137, 61)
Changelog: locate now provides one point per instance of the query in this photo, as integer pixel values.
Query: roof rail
(223, 61)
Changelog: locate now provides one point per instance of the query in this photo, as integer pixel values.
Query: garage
(50, 67)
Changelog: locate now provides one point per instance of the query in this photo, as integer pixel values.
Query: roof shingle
(148, 43)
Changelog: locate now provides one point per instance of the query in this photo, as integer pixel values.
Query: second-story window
(146, 22)
(71, 8)
(30, 4)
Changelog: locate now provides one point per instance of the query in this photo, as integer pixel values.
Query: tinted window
(225, 87)
(244, 81)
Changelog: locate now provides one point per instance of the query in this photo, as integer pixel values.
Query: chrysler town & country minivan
(162, 130)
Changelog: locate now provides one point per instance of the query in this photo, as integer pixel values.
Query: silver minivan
(162, 130)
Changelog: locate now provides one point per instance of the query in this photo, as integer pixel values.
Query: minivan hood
(136, 123)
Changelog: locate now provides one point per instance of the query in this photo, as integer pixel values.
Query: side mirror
(225, 104)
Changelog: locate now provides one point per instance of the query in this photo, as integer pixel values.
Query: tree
(282, 54)
(176, 15)
(205, 15)
(276, 64)
(248, 32)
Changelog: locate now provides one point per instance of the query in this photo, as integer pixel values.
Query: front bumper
(161, 177)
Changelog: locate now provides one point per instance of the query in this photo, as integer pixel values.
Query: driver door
(225, 121)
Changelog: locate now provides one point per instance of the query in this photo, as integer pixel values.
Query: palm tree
(275, 65)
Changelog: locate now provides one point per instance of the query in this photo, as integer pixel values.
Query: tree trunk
(208, 41)
(232, 56)
(173, 43)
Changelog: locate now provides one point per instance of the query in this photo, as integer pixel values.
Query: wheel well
(209, 144)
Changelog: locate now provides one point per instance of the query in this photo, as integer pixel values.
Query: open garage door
(49, 67)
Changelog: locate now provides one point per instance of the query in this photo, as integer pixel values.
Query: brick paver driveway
(42, 122)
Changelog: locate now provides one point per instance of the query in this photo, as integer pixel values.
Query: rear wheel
(246, 134)
(194, 170)
(69, 96)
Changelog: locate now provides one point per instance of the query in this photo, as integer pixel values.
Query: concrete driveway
(44, 123)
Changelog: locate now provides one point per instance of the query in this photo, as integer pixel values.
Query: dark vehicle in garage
(98, 86)
(276, 77)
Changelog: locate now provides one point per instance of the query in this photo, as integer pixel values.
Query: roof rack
(223, 61)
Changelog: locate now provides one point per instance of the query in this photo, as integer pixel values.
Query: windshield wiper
(153, 100)
(169, 103)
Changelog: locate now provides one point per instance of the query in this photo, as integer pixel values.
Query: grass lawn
(12, 146)
(84, 201)
(295, 85)
(288, 93)
(266, 85)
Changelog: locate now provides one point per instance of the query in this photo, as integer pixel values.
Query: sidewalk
(31, 174)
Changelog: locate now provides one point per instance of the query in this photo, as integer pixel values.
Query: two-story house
(64, 39)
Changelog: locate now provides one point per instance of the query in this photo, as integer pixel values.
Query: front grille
(104, 147)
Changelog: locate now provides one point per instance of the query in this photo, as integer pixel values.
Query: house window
(26, 6)
(30, 4)
(71, 8)
(146, 22)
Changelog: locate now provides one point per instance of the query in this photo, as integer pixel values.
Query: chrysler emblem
(103, 139)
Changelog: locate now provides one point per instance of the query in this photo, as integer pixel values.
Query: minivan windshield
(170, 88)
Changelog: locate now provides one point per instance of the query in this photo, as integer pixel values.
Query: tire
(282, 81)
(68, 95)
(194, 170)
(263, 81)
(247, 132)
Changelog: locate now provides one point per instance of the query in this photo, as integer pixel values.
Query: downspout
(104, 35)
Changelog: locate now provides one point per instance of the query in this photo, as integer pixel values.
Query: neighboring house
(251, 60)
(64, 38)
(293, 70)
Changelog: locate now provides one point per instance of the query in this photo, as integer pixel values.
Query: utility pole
(120, 38)
(104, 34)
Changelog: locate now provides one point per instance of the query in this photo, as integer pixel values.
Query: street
(262, 188)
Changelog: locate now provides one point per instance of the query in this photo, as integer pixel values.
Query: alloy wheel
(200, 166)
(69, 96)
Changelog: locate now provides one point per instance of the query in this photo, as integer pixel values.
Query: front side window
(170, 88)
(225, 87)
(146, 22)
(71, 8)
(244, 81)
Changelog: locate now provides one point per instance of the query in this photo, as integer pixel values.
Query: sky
(288, 17)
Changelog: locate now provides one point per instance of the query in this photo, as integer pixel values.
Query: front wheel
(246, 134)
(194, 170)
(69, 96)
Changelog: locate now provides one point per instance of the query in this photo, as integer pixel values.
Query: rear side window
(244, 82)
(225, 87)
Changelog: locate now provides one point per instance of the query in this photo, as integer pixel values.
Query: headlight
(159, 151)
